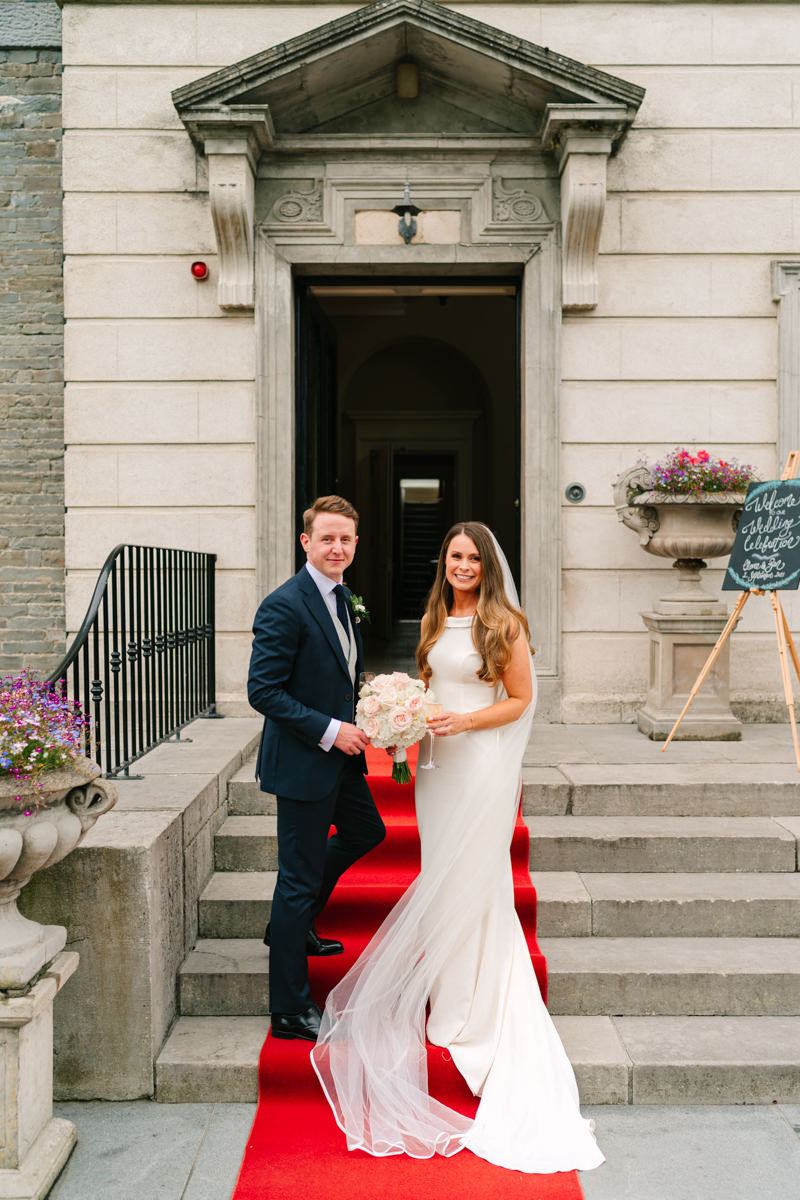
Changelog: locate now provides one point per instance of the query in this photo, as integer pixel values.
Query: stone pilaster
(786, 292)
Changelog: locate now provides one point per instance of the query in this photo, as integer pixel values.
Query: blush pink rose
(399, 720)
(415, 703)
(388, 695)
(371, 727)
(370, 706)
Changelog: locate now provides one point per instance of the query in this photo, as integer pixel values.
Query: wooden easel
(784, 636)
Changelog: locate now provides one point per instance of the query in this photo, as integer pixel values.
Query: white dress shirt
(326, 586)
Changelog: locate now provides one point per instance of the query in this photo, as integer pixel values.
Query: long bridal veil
(371, 1055)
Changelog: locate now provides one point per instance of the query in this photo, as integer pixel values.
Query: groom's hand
(351, 739)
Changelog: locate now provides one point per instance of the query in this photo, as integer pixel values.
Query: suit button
(349, 696)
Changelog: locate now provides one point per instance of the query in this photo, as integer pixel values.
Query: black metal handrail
(142, 663)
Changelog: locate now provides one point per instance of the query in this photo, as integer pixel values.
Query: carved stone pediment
(336, 89)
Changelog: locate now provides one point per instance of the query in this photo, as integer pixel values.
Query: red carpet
(295, 1148)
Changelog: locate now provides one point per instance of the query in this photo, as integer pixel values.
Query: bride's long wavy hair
(497, 621)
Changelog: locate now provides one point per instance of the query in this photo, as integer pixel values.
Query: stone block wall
(32, 622)
(682, 348)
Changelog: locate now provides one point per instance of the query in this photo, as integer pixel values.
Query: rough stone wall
(32, 623)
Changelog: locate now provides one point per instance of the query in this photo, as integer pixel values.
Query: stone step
(225, 977)
(711, 789)
(673, 904)
(661, 844)
(211, 1060)
(588, 844)
(247, 844)
(587, 977)
(721, 789)
(237, 904)
(617, 1060)
(673, 976)
(245, 798)
(694, 905)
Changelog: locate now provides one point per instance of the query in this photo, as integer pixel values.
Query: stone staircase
(669, 913)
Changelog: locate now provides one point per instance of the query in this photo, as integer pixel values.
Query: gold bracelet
(471, 721)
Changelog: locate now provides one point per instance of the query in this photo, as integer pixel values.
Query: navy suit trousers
(309, 864)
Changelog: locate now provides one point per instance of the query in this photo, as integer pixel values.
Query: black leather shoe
(320, 947)
(316, 946)
(303, 1025)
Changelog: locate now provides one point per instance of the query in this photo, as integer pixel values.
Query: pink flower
(371, 727)
(370, 706)
(399, 720)
(388, 695)
(415, 703)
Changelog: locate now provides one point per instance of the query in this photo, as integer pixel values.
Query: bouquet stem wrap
(401, 772)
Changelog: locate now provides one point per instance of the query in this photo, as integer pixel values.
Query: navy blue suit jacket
(299, 680)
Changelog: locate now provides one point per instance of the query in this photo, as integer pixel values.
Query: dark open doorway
(408, 404)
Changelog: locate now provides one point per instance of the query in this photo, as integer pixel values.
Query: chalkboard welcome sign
(766, 553)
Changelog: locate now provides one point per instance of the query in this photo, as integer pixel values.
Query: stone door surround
(505, 151)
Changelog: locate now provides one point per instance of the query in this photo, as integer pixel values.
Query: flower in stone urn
(684, 506)
(50, 796)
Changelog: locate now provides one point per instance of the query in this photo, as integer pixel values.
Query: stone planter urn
(685, 622)
(35, 832)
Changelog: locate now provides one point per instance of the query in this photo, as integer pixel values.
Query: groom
(304, 669)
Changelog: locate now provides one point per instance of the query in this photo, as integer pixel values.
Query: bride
(454, 941)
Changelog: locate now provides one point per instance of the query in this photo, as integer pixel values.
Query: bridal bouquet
(391, 712)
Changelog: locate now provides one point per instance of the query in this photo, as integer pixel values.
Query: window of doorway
(408, 404)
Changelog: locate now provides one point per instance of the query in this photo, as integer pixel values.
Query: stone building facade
(273, 141)
(32, 621)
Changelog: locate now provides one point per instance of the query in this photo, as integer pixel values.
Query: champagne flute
(431, 710)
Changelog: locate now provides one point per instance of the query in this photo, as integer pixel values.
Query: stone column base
(42, 1164)
(680, 643)
(33, 1144)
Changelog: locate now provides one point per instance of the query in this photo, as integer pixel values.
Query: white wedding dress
(454, 939)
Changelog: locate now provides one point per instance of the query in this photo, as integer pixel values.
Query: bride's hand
(449, 723)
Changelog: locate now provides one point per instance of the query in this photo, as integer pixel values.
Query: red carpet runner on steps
(295, 1148)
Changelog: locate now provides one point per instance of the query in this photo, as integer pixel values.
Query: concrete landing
(193, 1152)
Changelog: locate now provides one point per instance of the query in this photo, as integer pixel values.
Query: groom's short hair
(329, 504)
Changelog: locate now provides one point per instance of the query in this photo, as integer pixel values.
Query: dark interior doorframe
(316, 434)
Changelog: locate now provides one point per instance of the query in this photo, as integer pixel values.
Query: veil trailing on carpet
(371, 1054)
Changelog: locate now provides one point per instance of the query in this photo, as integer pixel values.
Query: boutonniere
(358, 608)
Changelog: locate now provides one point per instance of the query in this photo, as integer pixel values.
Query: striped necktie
(341, 609)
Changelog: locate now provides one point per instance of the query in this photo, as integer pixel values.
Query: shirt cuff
(330, 735)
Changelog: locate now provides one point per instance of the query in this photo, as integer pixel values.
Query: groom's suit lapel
(319, 610)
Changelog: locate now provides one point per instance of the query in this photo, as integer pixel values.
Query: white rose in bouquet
(391, 712)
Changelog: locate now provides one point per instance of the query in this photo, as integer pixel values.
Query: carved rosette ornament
(37, 830)
(515, 205)
(299, 204)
